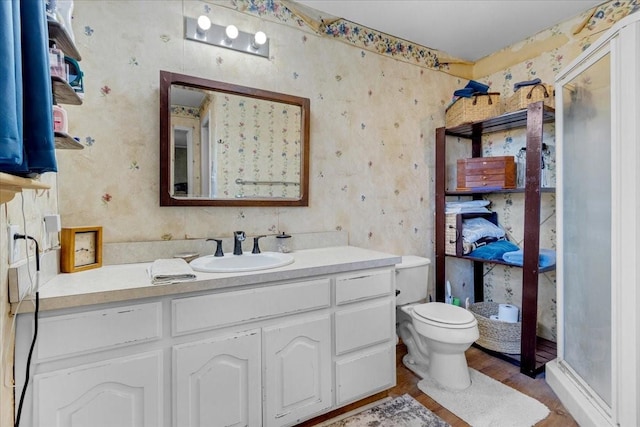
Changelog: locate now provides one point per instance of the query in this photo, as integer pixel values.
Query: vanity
(264, 348)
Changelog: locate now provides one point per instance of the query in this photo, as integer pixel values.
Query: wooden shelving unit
(535, 352)
(63, 93)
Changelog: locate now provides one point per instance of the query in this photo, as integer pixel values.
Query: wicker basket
(451, 235)
(478, 107)
(529, 94)
(495, 335)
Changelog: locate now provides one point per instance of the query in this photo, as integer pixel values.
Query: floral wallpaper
(375, 103)
(258, 143)
(373, 119)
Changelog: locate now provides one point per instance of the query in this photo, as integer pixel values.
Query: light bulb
(231, 31)
(204, 23)
(259, 39)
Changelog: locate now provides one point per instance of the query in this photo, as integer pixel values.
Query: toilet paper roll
(508, 313)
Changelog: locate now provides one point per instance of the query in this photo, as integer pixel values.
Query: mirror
(229, 145)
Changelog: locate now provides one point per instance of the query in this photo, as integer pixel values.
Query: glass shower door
(586, 215)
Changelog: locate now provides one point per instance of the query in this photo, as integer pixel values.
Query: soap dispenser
(283, 243)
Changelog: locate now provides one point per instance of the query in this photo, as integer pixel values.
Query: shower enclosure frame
(622, 44)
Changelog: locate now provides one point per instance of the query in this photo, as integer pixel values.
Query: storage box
(486, 173)
(476, 108)
(453, 244)
(529, 94)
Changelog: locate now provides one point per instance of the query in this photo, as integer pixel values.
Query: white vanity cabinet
(217, 381)
(73, 388)
(269, 354)
(124, 392)
(297, 370)
(364, 335)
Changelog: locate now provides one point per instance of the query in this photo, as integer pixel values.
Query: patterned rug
(403, 411)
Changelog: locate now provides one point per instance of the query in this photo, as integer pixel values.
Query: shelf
(490, 191)
(546, 351)
(63, 93)
(66, 142)
(59, 36)
(516, 119)
(494, 261)
(532, 358)
(12, 184)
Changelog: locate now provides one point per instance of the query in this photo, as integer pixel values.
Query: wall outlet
(14, 250)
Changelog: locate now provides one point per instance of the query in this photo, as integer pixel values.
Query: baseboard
(575, 400)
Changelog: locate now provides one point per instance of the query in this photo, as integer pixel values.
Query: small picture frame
(80, 249)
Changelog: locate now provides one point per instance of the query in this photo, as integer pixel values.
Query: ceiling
(465, 29)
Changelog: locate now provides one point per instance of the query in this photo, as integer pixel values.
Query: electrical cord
(35, 330)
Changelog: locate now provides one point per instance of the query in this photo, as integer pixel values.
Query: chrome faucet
(238, 238)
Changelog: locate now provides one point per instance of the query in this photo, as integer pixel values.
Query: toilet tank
(412, 277)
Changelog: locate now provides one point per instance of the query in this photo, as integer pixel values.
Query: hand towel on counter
(171, 270)
(547, 257)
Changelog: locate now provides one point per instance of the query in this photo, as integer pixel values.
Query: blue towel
(526, 83)
(10, 85)
(494, 251)
(547, 257)
(477, 86)
(465, 93)
(32, 90)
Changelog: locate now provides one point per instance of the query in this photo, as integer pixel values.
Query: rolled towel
(533, 82)
(172, 270)
(546, 258)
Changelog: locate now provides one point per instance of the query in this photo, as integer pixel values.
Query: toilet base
(454, 377)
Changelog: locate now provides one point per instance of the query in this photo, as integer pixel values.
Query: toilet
(436, 334)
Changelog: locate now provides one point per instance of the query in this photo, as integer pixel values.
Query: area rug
(487, 402)
(403, 411)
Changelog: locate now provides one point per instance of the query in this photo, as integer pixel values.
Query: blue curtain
(27, 145)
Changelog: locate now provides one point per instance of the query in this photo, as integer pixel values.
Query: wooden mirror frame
(167, 79)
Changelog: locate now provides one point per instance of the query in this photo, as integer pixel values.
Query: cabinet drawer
(89, 331)
(365, 373)
(361, 286)
(364, 325)
(229, 308)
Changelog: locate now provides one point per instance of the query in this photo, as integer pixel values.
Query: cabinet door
(217, 381)
(297, 374)
(124, 392)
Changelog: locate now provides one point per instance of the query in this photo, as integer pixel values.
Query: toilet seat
(444, 315)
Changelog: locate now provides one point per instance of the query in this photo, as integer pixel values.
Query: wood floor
(505, 372)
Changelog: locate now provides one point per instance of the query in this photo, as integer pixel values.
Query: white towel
(172, 270)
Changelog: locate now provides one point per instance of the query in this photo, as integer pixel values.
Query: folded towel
(494, 251)
(546, 258)
(172, 270)
(465, 93)
(469, 206)
(533, 82)
(477, 86)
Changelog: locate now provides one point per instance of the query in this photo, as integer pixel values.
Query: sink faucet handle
(256, 248)
(218, 247)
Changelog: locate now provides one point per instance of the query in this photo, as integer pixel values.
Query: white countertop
(126, 282)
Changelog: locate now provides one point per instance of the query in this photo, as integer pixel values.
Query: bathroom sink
(230, 263)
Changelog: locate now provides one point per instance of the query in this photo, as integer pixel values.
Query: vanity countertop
(125, 282)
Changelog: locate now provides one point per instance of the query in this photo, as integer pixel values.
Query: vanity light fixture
(204, 31)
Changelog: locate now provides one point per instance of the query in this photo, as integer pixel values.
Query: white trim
(623, 42)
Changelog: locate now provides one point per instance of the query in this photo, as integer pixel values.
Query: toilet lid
(443, 313)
